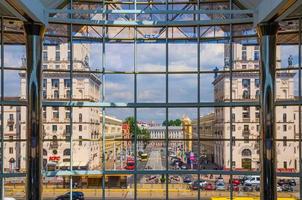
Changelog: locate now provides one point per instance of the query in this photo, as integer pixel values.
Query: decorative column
(34, 37)
(267, 34)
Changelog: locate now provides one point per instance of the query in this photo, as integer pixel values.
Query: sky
(150, 87)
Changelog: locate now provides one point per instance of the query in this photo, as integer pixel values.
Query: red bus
(130, 164)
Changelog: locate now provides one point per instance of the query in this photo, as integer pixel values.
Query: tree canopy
(176, 122)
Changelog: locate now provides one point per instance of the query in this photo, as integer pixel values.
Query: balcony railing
(10, 121)
(246, 119)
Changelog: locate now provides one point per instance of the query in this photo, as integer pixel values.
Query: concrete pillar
(267, 34)
(34, 37)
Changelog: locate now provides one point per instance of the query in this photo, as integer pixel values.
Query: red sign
(54, 158)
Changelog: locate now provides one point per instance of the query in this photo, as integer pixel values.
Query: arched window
(284, 117)
(245, 94)
(56, 94)
(66, 152)
(54, 138)
(246, 153)
(44, 152)
(80, 117)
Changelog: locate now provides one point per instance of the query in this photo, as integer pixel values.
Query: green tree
(176, 122)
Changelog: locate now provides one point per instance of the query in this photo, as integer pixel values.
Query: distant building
(158, 136)
(187, 129)
(207, 136)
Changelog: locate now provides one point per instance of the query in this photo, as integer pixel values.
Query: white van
(253, 180)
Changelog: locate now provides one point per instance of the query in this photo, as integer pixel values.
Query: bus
(130, 163)
(144, 157)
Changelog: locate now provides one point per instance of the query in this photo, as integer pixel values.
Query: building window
(58, 47)
(284, 117)
(284, 141)
(45, 56)
(11, 127)
(284, 127)
(54, 128)
(55, 83)
(68, 95)
(56, 94)
(245, 94)
(44, 95)
(233, 128)
(256, 55)
(80, 140)
(246, 83)
(44, 83)
(57, 56)
(285, 165)
(244, 54)
(80, 117)
(68, 55)
(233, 140)
(243, 66)
(67, 83)
(257, 94)
(11, 116)
(11, 150)
(80, 127)
(246, 153)
(257, 83)
(66, 152)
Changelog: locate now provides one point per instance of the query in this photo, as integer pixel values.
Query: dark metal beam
(267, 33)
(34, 37)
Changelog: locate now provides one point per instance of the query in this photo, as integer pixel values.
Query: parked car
(243, 179)
(247, 187)
(187, 179)
(236, 181)
(287, 188)
(220, 186)
(235, 187)
(219, 179)
(253, 180)
(209, 186)
(292, 182)
(198, 184)
(75, 196)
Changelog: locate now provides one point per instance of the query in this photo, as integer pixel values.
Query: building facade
(85, 130)
(245, 120)
(206, 144)
(158, 135)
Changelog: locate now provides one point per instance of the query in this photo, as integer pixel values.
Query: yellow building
(187, 131)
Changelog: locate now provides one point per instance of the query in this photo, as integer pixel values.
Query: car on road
(253, 180)
(75, 196)
(291, 182)
(198, 184)
(220, 185)
(236, 181)
(235, 187)
(287, 188)
(247, 187)
(219, 179)
(187, 179)
(209, 186)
